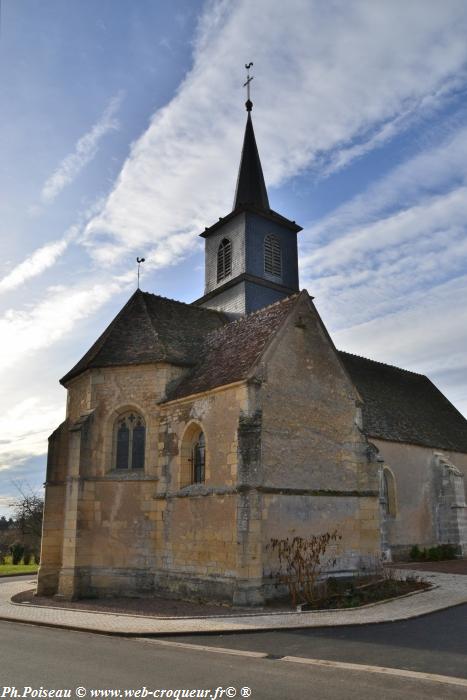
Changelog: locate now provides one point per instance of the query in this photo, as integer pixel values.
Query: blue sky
(121, 129)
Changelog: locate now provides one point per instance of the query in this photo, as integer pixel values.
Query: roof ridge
(183, 303)
(156, 334)
(384, 364)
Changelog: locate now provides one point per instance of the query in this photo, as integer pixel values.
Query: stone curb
(448, 591)
(278, 613)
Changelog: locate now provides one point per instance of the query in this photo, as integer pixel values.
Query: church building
(195, 433)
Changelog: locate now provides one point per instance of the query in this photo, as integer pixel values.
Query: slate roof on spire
(251, 188)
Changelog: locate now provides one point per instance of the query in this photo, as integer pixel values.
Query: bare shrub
(301, 562)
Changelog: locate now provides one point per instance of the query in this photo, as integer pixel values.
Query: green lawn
(10, 569)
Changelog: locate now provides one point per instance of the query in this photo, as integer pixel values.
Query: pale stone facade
(269, 472)
(429, 498)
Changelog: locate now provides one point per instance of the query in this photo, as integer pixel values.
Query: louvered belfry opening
(272, 256)
(224, 260)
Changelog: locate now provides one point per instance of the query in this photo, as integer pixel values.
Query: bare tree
(27, 515)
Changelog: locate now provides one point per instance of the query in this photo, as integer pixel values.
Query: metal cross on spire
(248, 103)
(139, 261)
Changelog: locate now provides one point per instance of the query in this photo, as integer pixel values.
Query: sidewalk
(449, 590)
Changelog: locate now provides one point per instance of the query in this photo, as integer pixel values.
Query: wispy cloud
(388, 268)
(367, 74)
(34, 265)
(84, 152)
(18, 442)
(26, 331)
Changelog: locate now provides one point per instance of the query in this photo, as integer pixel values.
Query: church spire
(251, 188)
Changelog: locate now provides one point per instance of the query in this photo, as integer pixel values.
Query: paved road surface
(35, 656)
(435, 643)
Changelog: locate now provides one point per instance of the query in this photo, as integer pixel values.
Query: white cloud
(24, 429)
(333, 83)
(34, 265)
(24, 332)
(429, 337)
(85, 150)
(388, 268)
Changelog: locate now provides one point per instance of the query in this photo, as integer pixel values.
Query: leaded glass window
(272, 256)
(224, 259)
(130, 441)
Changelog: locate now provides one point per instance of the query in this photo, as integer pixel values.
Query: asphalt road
(52, 658)
(435, 643)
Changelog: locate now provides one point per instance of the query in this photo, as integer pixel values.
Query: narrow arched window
(388, 493)
(130, 441)
(193, 456)
(272, 256)
(199, 459)
(224, 259)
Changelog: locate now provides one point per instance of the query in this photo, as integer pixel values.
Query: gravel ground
(146, 607)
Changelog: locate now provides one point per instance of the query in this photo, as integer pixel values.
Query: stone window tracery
(130, 441)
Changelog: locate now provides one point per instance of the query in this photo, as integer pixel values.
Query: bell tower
(251, 257)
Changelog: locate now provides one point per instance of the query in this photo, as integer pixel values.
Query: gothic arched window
(224, 259)
(272, 256)
(130, 441)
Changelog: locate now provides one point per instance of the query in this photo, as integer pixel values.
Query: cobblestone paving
(449, 590)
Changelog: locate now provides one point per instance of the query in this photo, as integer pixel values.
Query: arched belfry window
(224, 259)
(130, 441)
(193, 456)
(272, 256)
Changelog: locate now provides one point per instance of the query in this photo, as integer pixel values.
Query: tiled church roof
(151, 328)
(398, 405)
(403, 406)
(230, 353)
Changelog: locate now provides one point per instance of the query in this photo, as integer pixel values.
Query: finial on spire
(248, 103)
(139, 261)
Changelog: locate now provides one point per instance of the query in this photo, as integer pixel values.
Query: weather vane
(139, 261)
(249, 103)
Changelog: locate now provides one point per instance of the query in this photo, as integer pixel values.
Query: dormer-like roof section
(150, 329)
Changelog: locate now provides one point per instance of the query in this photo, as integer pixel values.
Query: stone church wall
(204, 545)
(418, 496)
(317, 475)
(102, 516)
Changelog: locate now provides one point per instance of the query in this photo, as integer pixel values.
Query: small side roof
(150, 328)
(230, 353)
(403, 406)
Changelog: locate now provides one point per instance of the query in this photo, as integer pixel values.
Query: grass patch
(9, 569)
